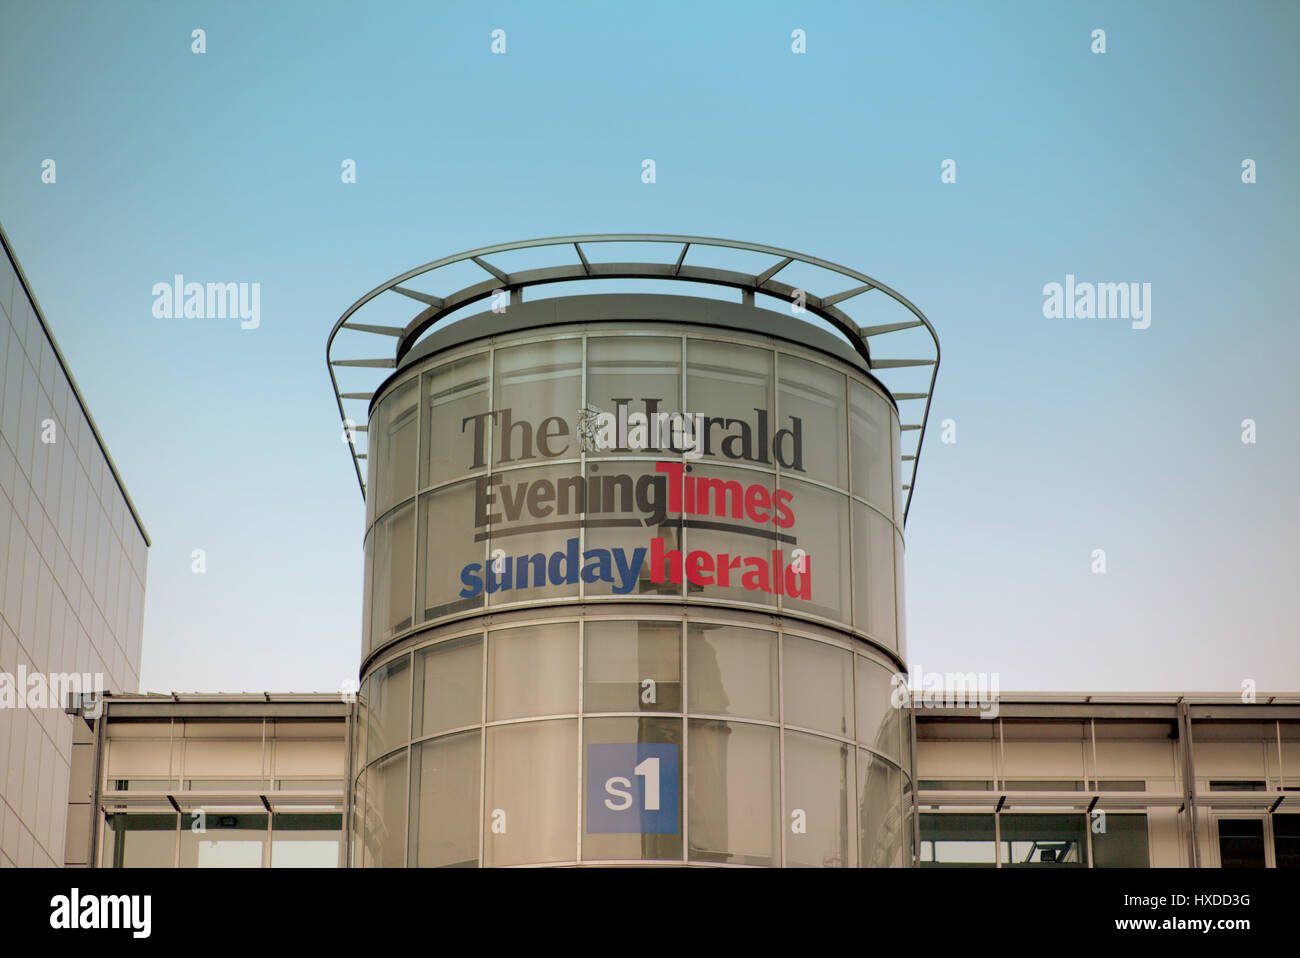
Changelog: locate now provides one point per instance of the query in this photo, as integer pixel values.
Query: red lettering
(784, 514)
(699, 567)
(757, 501)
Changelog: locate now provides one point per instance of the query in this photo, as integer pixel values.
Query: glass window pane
(452, 552)
(632, 667)
(1241, 843)
(455, 441)
(872, 469)
(820, 782)
(449, 686)
(1035, 840)
(731, 385)
(393, 573)
(530, 812)
(818, 686)
(900, 603)
(387, 699)
(733, 803)
(632, 770)
(731, 531)
(140, 841)
(880, 724)
(899, 497)
(873, 571)
(627, 508)
(636, 376)
(880, 813)
(533, 523)
(393, 444)
(1123, 844)
(812, 402)
(535, 383)
(1286, 840)
(386, 794)
(958, 841)
(306, 841)
(445, 807)
(367, 623)
(821, 529)
(227, 841)
(733, 671)
(533, 671)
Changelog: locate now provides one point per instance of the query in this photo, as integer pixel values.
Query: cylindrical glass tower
(633, 593)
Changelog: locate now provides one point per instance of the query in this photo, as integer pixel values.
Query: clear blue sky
(1072, 435)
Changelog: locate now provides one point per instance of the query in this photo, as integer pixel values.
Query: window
(394, 558)
(812, 403)
(880, 816)
(733, 671)
(728, 381)
(306, 841)
(1241, 843)
(818, 686)
(633, 667)
(873, 571)
(140, 841)
(869, 418)
(535, 382)
(389, 701)
(957, 841)
(1123, 844)
(651, 828)
(820, 782)
(454, 393)
(532, 670)
(226, 841)
(880, 724)
(531, 793)
(821, 528)
(394, 445)
(448, 687)
(733, 801)
(644, 373)
(445, 801)
(447, 547)
(1036, 840)
(1286, 840)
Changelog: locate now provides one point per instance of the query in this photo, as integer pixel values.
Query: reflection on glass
(733, 792)
(733, 671)
(636, 805)
(455, 441)
(821, 528)
(393, 443)
(957, 841)
(533, 518)
(452, 559)
(627, 507)
(873, 568)
(732, 535)
(1043, 840)
(531, 794)
(628, 375)
(140, 841)
(536, 397)
(880, 816)
(388, 700)
(533, 671)
(227, 841)
(820, 787)
(306, 841)
(812, 400)
(385, 834)
(445, 801)
(1124, 843)
(818, 686)
(448, 686)
(632, 667)
(732, 384)
(880, 724)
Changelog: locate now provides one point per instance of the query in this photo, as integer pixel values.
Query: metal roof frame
(389, 344)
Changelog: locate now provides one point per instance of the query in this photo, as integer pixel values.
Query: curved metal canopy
(391, 343)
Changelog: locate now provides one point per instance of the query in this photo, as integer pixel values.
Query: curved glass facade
(632, 596)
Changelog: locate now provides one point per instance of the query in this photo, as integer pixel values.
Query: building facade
(72, 573)
(633, 582)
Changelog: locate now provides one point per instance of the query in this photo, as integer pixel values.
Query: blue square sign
(632, 789)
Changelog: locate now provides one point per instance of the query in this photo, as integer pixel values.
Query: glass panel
(389, 707)
(636, 378)
(533, 520)
(535, 383)
(821, 529)
(818, 686)
(367, 624)
(224, 784)
(820, 788)
(386, 793)
(449, 686)
(392, 442)
(1241, 842)
(393, 576)
(306, 841)
(899, 496)
(530, 812)
(632, 667)
(733, 803)
(356, 849)
(872, 470)
(733, 671)
(731, 386)
(533, 671)
(457, 433)
(732, 524)
(880, 724)
(632, 770)
(227, 841)
(1286, 840)
(812, 402)
(958, 840)
(140, 841)
(873, 572)
(445, 807)
(1033, 840)
(900, 601)
(627, 509)
(1123, 844)
(880, 813)
(452, 551)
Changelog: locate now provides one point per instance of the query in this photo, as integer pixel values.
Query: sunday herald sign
(512, 502)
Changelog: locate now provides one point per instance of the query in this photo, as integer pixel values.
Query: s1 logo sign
(632, 789)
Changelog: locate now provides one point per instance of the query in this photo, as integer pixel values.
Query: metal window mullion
(686, 724)
(582, 652)
(780, 705)
(482, 740)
